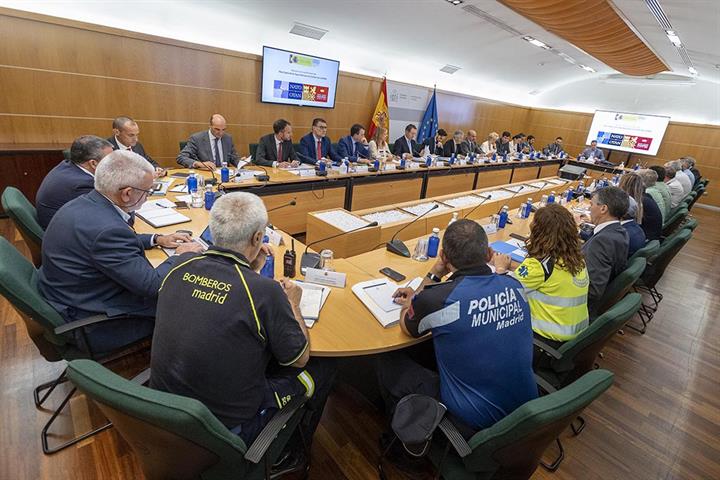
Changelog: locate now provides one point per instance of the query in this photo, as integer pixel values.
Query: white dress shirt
(599, 227)
(676, 192)
(684, 180)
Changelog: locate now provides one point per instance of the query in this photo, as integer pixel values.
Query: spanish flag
(381, 116)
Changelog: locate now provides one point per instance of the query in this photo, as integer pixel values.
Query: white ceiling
(410, 40)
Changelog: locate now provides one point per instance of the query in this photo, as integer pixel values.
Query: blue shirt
(483, 343)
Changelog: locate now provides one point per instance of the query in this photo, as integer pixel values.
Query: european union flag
(429, 125)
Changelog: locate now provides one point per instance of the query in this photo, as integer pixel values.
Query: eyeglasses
(147, 192)
(321, 127)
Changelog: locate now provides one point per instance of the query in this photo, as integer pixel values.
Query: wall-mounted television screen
(628, 132)
(292, 78)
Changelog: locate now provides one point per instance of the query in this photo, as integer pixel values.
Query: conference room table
(345, 327)
(364, 189)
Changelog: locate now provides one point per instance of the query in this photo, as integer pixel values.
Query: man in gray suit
(606, 252)
(209, 148)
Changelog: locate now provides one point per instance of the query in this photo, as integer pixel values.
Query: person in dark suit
(70, 178)
(503, 144)
(636, 235)
(647, 212)
(435, 144)
(207, 150)
(316, 146)
(470, 145)
(453, 146)
(276, 149)
(554, 148)
(406, 146)
(606, 251)
(354, 146)
(94, 263)
(126, 134)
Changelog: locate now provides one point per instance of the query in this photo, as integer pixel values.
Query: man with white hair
(681, 176)
(233, 339)
(686, 163)
(93, 262)
(692, 168)
(673, 182)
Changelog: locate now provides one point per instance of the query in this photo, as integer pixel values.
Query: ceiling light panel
(308, 31)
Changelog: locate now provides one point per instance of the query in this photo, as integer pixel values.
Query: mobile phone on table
(181, 205)
(392, 274)
(518, 237)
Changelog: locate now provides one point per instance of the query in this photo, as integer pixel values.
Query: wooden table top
(345, 326)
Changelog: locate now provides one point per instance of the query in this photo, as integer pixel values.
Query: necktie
(319, 150)
(279, 154)
(217, 152)
(131, 220)
(354, 149)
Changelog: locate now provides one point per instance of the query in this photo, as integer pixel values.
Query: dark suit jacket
(606, 255)
(652, 221)
(636, 237)
(94, 263)
(553, 149)
(308, 150)
(401, 147)
(63, 183)
(435, 149)
(138, 148)
(198, 149)
(345, 149)
(266, 152)
(466, 148)
(502, 148)
(449, 148)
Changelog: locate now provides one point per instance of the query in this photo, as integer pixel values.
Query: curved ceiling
(595, 27)
(411, 40)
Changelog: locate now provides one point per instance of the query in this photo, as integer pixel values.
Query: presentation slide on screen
(296, 79)
(628, 132)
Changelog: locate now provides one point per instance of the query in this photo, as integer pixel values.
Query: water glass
(326, 260)
(421, 249)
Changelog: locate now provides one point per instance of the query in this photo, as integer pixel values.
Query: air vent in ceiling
(449, 69)
(307, 31)
(659, 13)
(662, 19)
(472, 9)
(661, 79)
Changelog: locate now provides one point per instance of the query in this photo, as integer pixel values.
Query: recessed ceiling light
(586, 68)
(536, 42)
(673, 37)
(308, 31)
(692, 71)
(567, 58)
(449, 69)
(455, 2)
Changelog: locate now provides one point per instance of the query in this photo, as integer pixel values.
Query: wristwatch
(433, 277)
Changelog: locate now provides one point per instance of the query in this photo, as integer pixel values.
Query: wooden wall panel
(60, 79)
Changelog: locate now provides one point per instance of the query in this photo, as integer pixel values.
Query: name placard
(325, 277)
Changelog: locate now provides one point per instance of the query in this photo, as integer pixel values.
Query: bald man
(208, 149)
(470, 145)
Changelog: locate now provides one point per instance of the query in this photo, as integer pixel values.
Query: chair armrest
(142, 378)
(267, 436)
(83, 322)
(455, 438)
(547, 348)
(544, 384)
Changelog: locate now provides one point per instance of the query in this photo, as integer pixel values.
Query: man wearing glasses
(316, 146)
(94, 263)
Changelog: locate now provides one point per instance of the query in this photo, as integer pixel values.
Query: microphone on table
(396, 245)
(312, 260)
(265, 177)
(212, 172)
(485, 199)
(291, 203)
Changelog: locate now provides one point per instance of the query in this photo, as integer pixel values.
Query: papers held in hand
(313, 299)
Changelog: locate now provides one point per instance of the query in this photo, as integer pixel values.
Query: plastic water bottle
(428, 161)
(433, 243)
(593, 186)
(636, 167)
(321, 166)
(209, 197)
(452, 159)
(224, 173)
(344, 167)
(268, 270)
(494, 156)
(192, 183)
(551, 198)
(569, 195)
(528, 208)
(453, 219)
(504, 158)
(622, 165)
(376, 165)
(543, 201)
(402, 164)
(502, 221)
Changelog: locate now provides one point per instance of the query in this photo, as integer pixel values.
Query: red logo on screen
(643, 143)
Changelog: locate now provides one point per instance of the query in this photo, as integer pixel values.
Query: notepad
(376, 295)
(159, 213)
(512, 247)
(313, 299)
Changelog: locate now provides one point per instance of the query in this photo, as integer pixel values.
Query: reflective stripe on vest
(558, 329)
(557, 301)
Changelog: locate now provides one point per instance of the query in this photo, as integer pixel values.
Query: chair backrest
(18, 284)
(253, 149)
(182, 144)
(700, 192)
(580, 353)
(24, 216)
(513, 447)
(667, 251)
(675, 220)
(691, 224)
(647, 251)
(174, 437)
(621, 285)
(66, 154)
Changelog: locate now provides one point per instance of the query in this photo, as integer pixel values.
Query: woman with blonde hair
(554, 276)
(489, 146)
(378, 146)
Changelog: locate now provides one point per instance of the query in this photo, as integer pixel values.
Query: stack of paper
(341, 219)
(160, 213)
(387, 216)
(422, 208)
(160, 187)
(313, 299)
(377, 294)
(464, 201)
